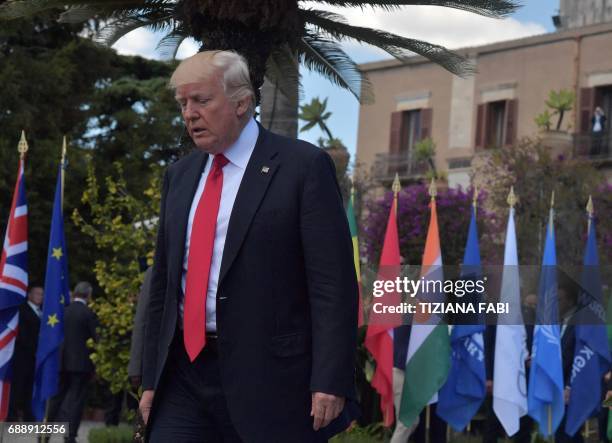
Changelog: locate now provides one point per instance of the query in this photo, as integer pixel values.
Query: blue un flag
(465, 389)
(591, 356)
(52, 321)
(545, 392)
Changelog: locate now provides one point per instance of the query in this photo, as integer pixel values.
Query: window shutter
(511, 121)
(480, 125)
(395, 140)
(426, 121)
(587, 98)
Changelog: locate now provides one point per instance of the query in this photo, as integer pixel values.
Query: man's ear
(242, 106)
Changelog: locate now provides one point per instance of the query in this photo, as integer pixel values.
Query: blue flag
(592, 355)
(465, 388)
(52, 320)
(545, 392)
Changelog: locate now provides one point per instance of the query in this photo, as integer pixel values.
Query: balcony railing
(387, 165)
(593, 147)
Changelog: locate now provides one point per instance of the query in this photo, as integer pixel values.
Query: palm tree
(275, 36)
(314, 114)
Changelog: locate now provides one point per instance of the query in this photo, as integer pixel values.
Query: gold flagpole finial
(590, 211)
(64, 150)
(552, 200)
(433, 190)
(396, 187)
(22, 146)
(589, 207)
(475, 197)
(512, 199)
(352, 189)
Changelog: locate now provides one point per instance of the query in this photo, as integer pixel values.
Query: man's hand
(145, 404)
(489, 385)
(325, 408)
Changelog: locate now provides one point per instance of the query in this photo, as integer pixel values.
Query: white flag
(509, 385)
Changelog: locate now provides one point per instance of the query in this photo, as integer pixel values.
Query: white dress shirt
(35, 308)
(238, 155)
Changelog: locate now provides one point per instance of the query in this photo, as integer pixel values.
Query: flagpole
(433, 192)
(550, 228)
(62, 166)
(427, 423)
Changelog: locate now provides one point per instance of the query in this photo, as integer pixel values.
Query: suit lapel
(258, 174)
(179, 204)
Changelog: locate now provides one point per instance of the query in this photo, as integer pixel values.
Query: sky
(443, 26)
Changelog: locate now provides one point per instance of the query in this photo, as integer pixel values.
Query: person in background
(598, 129)
(24, 359)
(77, 369)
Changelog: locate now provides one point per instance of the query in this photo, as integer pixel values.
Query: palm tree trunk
(279, 113)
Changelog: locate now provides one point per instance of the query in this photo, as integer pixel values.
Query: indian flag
(350, 215)
(379, 336)
(428, 357)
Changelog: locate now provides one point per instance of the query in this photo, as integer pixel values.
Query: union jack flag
(13, 285)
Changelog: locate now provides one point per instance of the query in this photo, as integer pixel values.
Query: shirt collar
(80, 300)
(35, 308)
(240, 151)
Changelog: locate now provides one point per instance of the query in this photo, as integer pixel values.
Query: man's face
(36, 296)
(213, 122)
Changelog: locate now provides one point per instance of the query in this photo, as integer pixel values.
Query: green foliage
(532, 171)
(373, 433)
(122, 226)
(110, 107)
(425, 151)
(560, 102)
(542, 120)
(315, 114)
(111, 434)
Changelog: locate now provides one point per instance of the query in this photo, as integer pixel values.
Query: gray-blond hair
(232, 66)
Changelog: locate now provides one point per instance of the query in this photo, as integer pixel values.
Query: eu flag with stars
(465, 389)
(592, 355)
(545, 392)
(52, 321)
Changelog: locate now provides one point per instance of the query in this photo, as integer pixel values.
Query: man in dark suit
(24, 359)
(252, 319)
(77, 369)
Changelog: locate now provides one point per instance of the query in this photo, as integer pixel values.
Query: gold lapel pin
(265, 170)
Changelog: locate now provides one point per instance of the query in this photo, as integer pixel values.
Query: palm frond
(283, 70)
(169, 45)
(13, 9)
(327, 58)
(123, 23)
(395, 45)
(488, 8)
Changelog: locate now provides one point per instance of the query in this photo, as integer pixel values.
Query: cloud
(143, 42)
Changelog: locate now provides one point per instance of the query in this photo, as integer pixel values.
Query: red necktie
(200, 256)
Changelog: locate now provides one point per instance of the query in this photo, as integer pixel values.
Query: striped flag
(428, 358)
(509, 382)
(379, 336)
(350, 215)
(13, 284)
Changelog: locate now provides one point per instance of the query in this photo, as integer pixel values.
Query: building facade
(492, 108)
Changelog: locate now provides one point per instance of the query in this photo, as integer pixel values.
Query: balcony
(595, 148)
(387, 165)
